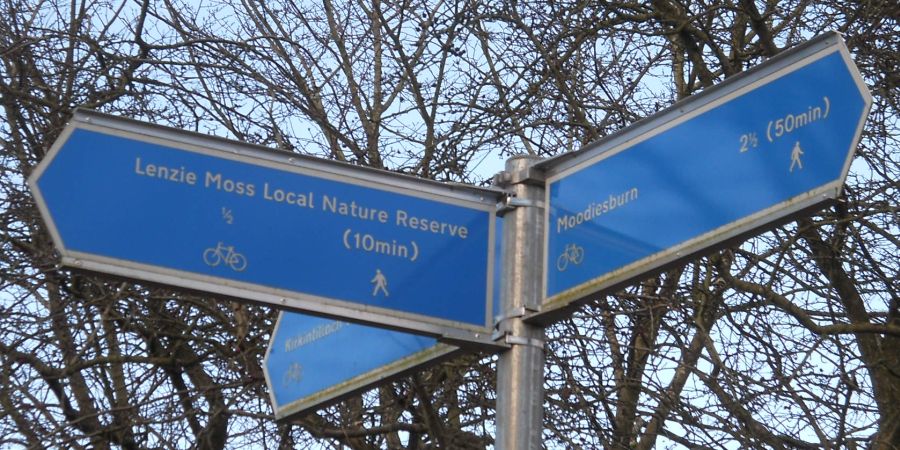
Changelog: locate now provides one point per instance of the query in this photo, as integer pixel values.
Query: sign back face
(757, 149)
(166, 206)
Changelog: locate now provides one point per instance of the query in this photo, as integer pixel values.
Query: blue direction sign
(183, 209)
(760, 147)
(313, 361)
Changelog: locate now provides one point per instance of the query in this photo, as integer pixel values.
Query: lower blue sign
(312, 361)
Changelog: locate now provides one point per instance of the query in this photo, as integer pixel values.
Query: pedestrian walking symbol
(380, 283)
(796, 153)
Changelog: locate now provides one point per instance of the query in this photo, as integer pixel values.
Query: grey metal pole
(520, 381)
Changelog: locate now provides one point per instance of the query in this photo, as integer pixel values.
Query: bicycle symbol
(293, 375)
(225, 254)
(573, 254)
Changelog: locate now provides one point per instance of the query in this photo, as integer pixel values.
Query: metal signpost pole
(520, 369)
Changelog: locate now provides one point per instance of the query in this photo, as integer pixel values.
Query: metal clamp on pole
(514, 313)
(522, 340)
(501, 332)
(521, 175)
(512, 202)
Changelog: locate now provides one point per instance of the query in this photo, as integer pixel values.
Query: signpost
(177, 208)
(170, 207)
(759, 148)
(313, 361)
